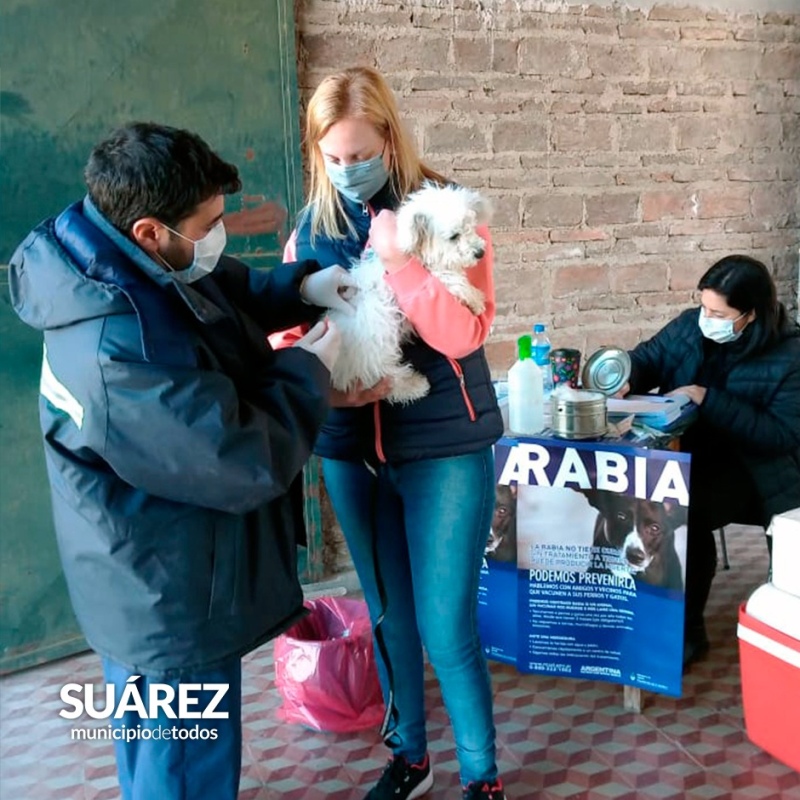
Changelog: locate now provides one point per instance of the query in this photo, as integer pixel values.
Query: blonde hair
(357, 92)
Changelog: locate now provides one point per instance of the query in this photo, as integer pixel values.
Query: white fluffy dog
(437, 225)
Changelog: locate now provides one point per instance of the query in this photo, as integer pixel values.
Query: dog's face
(656, 524)
(615, 520)
(618, 517)
(639, 530)
(503, 533)
(438, 225)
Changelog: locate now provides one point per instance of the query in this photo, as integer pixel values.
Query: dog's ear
(502, 488)
(596, 497)
(482, 208)
(413, 228)
(677, 514)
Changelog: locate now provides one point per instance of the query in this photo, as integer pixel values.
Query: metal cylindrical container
(576, 417)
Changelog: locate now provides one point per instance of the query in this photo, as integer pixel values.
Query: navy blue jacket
(172, 435)
(453, 419)
(751, 411)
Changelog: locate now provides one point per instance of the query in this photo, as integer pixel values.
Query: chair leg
(724, 547)
(769, 550)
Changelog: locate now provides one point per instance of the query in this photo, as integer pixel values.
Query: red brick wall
(624, 150)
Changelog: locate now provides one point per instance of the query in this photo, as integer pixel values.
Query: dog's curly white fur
(437, 225)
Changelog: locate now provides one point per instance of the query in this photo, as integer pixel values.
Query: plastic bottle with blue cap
(540, 350)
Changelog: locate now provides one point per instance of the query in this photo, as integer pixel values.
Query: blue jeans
(416, 533)
(197, 767)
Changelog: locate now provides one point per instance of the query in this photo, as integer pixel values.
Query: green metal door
(71, 73)
(36, 620)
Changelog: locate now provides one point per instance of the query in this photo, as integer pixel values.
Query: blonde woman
(412, 486)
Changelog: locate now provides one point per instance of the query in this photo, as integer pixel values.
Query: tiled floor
(557, 738)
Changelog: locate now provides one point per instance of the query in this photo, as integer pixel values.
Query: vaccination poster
(585, 565)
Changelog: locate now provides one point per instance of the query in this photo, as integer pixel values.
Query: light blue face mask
(358, 182)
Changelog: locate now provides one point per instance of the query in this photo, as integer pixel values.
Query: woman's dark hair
(747, 286)
(149, 170)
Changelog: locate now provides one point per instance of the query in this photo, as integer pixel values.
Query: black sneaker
(481, 790)
(403, 781)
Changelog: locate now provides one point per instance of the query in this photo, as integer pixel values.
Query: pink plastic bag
(325, 668)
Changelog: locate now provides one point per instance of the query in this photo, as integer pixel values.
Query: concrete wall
(625, 149)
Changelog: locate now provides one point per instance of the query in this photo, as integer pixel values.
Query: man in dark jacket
(173, 435)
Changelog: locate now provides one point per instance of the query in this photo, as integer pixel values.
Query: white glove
(324, 341)
(329, 288)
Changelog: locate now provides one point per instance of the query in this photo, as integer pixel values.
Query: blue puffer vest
(460, 414)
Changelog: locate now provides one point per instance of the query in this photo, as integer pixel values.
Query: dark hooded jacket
(751, 412)
(172, 435)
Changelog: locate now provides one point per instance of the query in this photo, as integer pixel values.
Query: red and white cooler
(769, 654)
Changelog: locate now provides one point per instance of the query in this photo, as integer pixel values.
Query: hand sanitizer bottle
(525, 395)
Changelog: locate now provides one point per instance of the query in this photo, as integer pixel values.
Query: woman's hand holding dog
(361, 396)
(383, 238)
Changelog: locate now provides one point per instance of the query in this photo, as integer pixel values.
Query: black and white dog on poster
(614, 523)
(650, 551)
(502, 542)
(637, 536)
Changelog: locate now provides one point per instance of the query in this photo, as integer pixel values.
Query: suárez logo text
(160, 696)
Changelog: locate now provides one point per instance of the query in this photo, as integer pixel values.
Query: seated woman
(738, 359)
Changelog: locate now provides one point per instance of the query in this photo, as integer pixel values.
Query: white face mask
(207, 252)
(720, 331)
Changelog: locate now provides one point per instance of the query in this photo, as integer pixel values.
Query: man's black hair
(149, 170)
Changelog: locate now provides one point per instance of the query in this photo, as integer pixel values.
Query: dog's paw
(478, 306)
(408, 387)
(475, 301)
